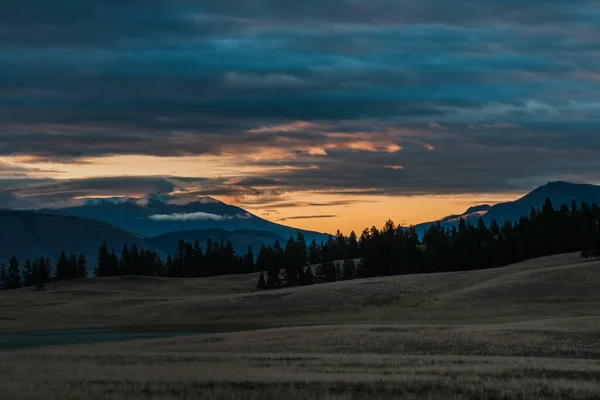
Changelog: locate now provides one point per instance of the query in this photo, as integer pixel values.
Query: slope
(554, 287)
(558, 192)
(158, 217)
(28, 235)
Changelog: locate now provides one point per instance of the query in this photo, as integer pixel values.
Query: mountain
(241, 239)
(558, 192)
(29, 235)
(158, 217)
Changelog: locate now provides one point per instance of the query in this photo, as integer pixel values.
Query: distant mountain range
(27, 234)
(558, 192)
(158, 217)
(158, 225)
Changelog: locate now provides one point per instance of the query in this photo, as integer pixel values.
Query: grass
(527, 331)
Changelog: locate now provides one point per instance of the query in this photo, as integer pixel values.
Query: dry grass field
(527, 331)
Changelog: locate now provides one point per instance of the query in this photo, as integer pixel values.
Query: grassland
(527, 331)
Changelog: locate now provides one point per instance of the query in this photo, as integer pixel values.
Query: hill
(159, 216)
(241, 239)
(558, 192)
(547, 288)
(30, 235)
(461, 335)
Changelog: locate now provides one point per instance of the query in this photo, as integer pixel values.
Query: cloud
(308, 217)
(197, 216)
(322, 96)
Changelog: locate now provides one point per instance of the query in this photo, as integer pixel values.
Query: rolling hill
(546, 288)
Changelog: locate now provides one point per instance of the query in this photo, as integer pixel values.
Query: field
(527, 331)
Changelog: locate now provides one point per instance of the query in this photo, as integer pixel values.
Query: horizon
(296, 222)
(304, 116)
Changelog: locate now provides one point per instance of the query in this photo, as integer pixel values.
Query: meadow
(526, 331)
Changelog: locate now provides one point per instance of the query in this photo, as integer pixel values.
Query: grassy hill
(526, 331)
(551, 287)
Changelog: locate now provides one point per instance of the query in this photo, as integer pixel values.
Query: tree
(314, 255)
(82, 267)
(103, 265)
(3, 276)
(292, 267)
(61, 271)
(28, 273)
(261, 281)
(72, 271)
(308, 277)
(273, 279)
(348, 270)
(13, 276)
(353, 246)
(249, 261)
(40, 274)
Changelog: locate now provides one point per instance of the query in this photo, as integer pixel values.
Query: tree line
(39, 271)
(391, 250)
(395, 250)
(188, 261)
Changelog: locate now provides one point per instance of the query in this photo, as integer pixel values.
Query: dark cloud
(482, 96)
(49, 193)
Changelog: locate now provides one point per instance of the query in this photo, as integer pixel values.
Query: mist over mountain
(156, 216)
(558, 192)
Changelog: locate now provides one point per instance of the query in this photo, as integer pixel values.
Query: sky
(321, 114)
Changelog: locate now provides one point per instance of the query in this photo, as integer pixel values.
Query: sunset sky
(321, 114)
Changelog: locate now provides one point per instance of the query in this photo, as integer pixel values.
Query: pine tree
(13, 278)
(291, 273)
(349, 269)
(125, 262)
(72, 271)
(308, 278)
(47, 268)
(170, 267)
(314, 255)
(273, 279)
(40, 274)
(82, 267)
(301, 249)
(198, 259)
(3, 277)
(61, 271)
(103, 265)
(249, 261)
(261, 281)
(28, 273)
(353, 246)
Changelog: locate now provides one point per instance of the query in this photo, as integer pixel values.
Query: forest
(391, 250)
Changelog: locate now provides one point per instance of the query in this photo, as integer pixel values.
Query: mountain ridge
(559, 192)
(159, 216)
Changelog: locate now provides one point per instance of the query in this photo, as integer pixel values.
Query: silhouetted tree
(261, 281)
(348, 269)
(3, 277)
(28, 273)
(82, 267)
(13, 277)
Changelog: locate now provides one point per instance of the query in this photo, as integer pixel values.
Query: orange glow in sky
(317, 210)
